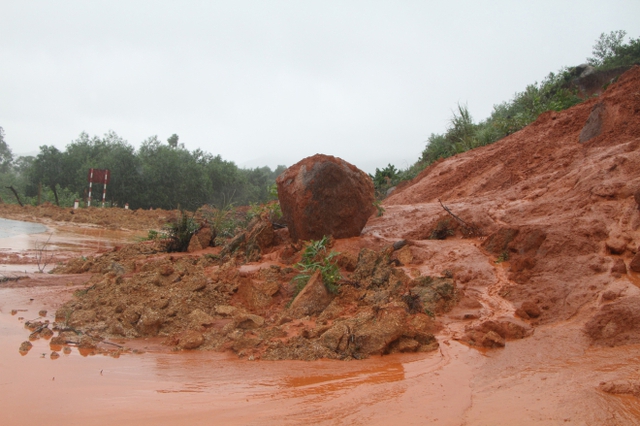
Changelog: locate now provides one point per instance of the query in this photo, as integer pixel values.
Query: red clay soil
(562, 212)
(517, 261)
(110, 218)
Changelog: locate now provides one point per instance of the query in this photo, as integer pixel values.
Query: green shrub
(66, 197)
(610, 51)
(153, 235)
(315, 258)
(389, 177)
(554, 93)
(224, 221)
(179, 232)
(272, 209)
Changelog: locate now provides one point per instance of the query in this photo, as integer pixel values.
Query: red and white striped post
(104, 188)
(90, 184)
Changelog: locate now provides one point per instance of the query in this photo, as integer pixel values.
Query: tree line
(157, 175)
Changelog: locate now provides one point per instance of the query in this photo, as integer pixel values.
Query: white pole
(104, 188)
(90, 184)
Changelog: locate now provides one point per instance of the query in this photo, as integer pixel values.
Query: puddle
(27, 247)
(11, 228)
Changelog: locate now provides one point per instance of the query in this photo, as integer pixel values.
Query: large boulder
(324, 195)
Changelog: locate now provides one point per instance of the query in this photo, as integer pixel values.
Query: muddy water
(21, 243)
(157, 387)
(550, 378)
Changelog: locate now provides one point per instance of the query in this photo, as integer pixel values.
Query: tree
(606, 47)
(22, 164)
(279, 170)
(6, 156)
(227, 183)
(172, 177)
(173, 140)
(109, 152)
(47, 169)
(623, 55)
(157, 175)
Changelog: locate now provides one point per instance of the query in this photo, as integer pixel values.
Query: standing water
(11, 228)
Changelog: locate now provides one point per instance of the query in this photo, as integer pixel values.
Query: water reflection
(11, 228)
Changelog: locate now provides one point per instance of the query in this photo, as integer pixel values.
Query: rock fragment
(593, 126)
(635, 263)
(190, 339)
(619, 268)
(528, 310)
(313, 298)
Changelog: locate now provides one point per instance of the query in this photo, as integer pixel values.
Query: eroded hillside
(560, 212)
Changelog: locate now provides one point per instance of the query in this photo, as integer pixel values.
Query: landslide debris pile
(211, 302)
(558, 203)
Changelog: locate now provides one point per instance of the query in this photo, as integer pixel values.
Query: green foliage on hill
(554, 93)
(610, 51)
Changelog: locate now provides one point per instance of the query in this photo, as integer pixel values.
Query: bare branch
(471, 229)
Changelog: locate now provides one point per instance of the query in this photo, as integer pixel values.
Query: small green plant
(378, 205)
(179, 232)
(272, 209)
(223, 221)
(315, 258)
(504, 256)
(152, 235)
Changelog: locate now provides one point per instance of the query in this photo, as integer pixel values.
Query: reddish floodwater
(547, 379)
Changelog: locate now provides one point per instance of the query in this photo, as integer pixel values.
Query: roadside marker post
(90, 184)
(102, 176)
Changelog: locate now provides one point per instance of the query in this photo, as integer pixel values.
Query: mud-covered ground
(520, 307)
(216, 299)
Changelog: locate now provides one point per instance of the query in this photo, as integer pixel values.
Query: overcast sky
(272, 82)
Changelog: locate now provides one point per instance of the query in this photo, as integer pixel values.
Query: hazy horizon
(271, 83)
